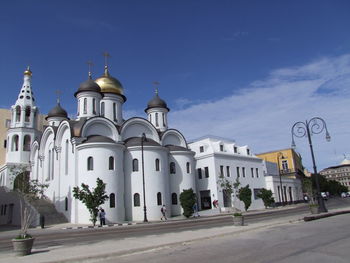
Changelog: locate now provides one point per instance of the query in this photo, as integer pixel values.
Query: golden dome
(109, 84)
(28, 72)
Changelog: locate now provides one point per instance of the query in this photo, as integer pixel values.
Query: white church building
(126, 154)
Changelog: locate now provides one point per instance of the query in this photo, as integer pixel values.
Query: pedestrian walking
(195, 210)
(163, 211)
(102, 215)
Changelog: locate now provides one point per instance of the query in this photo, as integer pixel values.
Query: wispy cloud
(236, 35)
(262, 114)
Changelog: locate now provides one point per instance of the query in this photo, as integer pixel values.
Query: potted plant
(308, 189)
(27, 191)
(238, 219)
(313, 208)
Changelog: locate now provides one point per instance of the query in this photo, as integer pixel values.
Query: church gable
(135, 127)
(173, 137)
(100, 126)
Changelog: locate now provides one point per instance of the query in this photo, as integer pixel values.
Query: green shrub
(266, 196)
(245, 195)
(187, 200)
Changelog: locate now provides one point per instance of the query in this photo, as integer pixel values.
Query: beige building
(339, 173)
(5, 120)
(289, 162)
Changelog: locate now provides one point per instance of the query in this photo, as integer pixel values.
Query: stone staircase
(47, 209)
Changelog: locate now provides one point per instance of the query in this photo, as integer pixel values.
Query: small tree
(266, 196)
(229, 188)
(309, 190)
(245, 195)
(91, 198)
(28, 191)
(187, 200)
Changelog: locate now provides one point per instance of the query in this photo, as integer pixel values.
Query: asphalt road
(50, 238)
(321, 241)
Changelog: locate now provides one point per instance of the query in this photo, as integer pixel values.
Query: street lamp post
(143, 139)
(280, 155)
(305, 129)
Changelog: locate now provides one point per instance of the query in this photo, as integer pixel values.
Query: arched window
(90, 164)
(18, 114)
(102, 109)
(26, 143)
(94, 106)
(174, 199)
(163, 115)
(66, 158)
(157, 120)
(111, 163)
(150, 118)
(27, 119)
(172, 168)
(49, 166)
(52, 163)
(157, 165)
(14, 143)
(136, 199)
(135, 165)
(66, 204)
(85, 106)
(78, 107)
(112, 200)
(188, 167)
(159, 198)
(114, 112)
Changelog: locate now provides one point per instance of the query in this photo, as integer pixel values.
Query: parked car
(343, 195)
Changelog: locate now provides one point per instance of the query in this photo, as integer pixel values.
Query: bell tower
(23, 128)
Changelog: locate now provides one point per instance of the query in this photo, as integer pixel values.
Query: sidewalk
(112, 248)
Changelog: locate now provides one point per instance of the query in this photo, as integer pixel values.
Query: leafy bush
(237, 214)
(266, 196)
(187, 200)
(245, 195)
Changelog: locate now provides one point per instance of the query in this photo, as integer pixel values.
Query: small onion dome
(28, 72)
(98, 138)
(109, 84)
(137, 141)
(176, 148)
(57, 111)
(156, 102)
(345, 162)
(88, 85)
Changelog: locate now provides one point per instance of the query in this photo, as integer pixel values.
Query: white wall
(155, 181)
(114, 179)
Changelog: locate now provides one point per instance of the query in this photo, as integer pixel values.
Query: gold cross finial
(107, 56)
(58, 93)
(90, 64)
(156, 84)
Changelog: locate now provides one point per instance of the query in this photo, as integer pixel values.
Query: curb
(315, 217)
(208, 217)
(105, 226)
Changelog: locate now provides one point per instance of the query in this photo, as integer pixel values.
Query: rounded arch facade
(135, 127)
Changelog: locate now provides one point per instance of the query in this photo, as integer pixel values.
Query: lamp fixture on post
(305, 129)
(280, 156)
(143, 139)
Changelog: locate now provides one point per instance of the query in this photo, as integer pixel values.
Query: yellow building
(288, 161)
(5, 120)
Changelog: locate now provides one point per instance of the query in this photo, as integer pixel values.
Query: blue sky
(245, 70)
